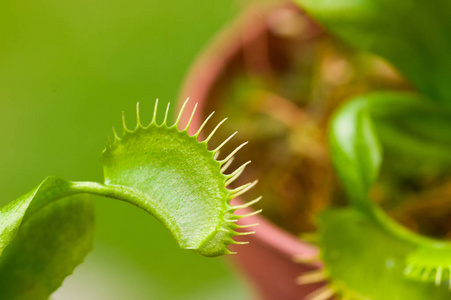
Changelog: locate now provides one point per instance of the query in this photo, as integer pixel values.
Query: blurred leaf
(355, 150)
(412, 35)
(405, 123)
(412, 126)
(364, 261)
(357, 158)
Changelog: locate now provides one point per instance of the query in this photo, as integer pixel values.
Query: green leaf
(364, 261)
(412, 126)
(404, 123)
(412, 35)
(47, 249)
(44, 240)
(355, 150)
(357, 157)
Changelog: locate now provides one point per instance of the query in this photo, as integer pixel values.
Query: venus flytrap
(367, 255)
(159, 168)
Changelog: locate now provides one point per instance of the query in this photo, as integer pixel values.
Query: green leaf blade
(357, 157)
(43, 240)
(364, 261)
(355, 151)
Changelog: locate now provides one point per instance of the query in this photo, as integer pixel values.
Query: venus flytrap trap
(367, 255)
(389, 150)
(159, 168)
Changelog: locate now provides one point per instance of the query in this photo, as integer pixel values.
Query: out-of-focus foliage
(413, 35)
(415, 263)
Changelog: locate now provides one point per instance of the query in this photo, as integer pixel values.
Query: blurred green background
(67, 70)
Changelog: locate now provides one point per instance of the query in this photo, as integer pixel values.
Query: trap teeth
(225, 142)
(250, 214)
(181, 112)
(214, 131)
(166, 113)
(243, 189)
(306, 259)
(233, 153)
(323, 293)
(204, 123)
(247, 226)
(245, 205)
(235, 174)
(312, 277)
(227, 165)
